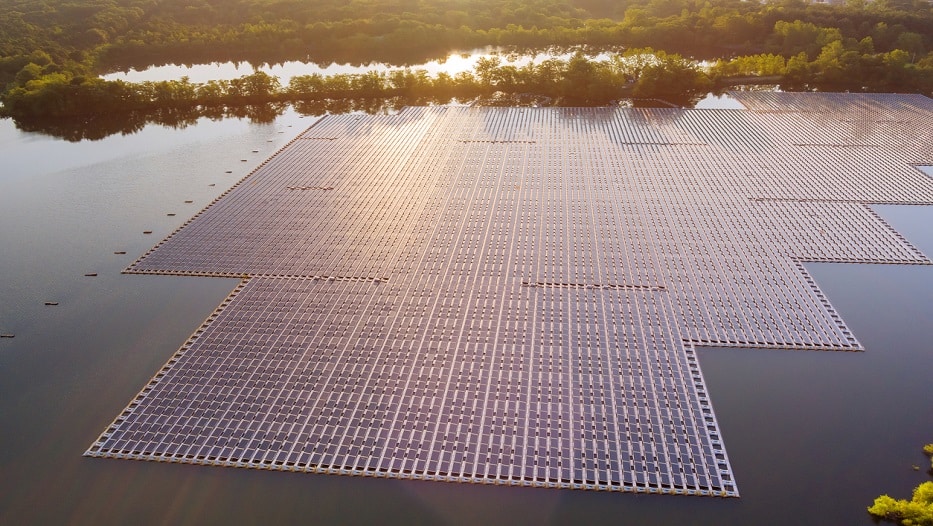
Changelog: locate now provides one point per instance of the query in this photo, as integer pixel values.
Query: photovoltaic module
(516, 295)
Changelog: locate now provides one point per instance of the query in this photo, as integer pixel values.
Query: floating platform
(515, 295)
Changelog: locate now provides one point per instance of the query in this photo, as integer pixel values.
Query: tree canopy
(918, 511)
(51, 51)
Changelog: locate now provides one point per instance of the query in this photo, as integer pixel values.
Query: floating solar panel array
(514, 296)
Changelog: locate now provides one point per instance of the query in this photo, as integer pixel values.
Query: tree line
(52, 52)
(138, 33)
(43, 90)
(104, 35)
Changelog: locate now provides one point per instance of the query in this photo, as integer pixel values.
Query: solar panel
(516, 295)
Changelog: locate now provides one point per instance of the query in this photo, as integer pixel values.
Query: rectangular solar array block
(514, 296)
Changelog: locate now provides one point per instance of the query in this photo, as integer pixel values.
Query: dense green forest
(51, 52)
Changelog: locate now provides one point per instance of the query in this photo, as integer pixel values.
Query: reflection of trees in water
(669, 101)
(129, 57)
(257, 113)
(88, 107)
(100, 126)
(344, 105)
(91, 128)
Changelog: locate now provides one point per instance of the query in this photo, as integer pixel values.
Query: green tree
(671, 78)
(910, 42)
(838, 65)
(918, 511)
(795, 37)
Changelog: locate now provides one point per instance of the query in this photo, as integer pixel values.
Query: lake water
(455, 62)
(813, 437)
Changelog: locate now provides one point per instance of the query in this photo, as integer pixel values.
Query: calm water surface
(813, 437)
(455, 62)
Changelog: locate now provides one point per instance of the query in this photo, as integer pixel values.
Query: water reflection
(104, 124)
(100, 126)
(450, 63)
